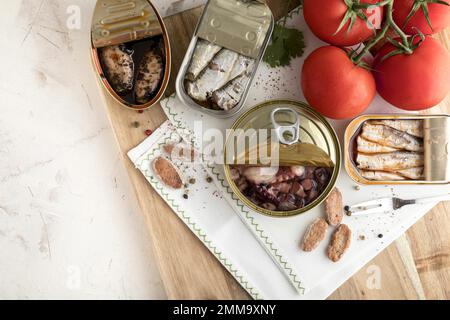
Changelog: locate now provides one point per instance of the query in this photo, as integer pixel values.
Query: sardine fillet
(243, 65)
(381, 175)
(413, 127)
(412, 173)
(204, 52)
(390, 137)
(367, 146)
(216, 75)
(119, 67)
(231, 94)
(390, 161)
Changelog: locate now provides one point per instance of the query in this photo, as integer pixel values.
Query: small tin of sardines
(282, 158)
(223, 56)
(131, 51)
(398, 149)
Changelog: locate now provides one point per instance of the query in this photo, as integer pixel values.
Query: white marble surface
(69, 223)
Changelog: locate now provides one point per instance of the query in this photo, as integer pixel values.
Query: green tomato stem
(379, 36)
(368, 5)
(396, 28)
(389, 23)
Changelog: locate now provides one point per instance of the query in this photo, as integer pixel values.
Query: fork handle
(445, 197)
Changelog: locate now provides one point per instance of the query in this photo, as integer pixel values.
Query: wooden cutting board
(416, 266)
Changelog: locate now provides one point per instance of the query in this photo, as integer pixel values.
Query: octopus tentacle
(281, 188)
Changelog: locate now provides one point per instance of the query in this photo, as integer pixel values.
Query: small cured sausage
(340, 242)
(167, 173)
(314, 234)
(181, 151)
(334, 207)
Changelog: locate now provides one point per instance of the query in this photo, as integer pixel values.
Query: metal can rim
(179, 82)
(323, 195)
(350, 132)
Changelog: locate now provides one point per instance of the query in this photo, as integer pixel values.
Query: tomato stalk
(355, 10)
(423, 4)
(397, 29)
(368, 5)
(406, 46)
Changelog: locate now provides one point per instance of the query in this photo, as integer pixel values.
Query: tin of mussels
(131, 51)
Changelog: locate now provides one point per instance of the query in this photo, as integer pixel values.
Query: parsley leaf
(286, 44)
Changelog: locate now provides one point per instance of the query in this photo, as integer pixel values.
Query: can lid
(238, 25)
(121, 21)
(437, 148)
(310, 141)
(317, 141)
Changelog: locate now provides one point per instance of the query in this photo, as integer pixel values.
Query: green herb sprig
(286, 43)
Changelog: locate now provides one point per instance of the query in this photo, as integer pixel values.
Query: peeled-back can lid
(120, 21)
(437, 148)
(238, 25)
(316, 138)
(317, 142)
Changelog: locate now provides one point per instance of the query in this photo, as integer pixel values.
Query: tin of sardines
(223, 56)
(282, 158)
(398, 149)
(131, 51)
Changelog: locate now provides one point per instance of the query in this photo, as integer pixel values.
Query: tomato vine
(355, 10)
(406, 45)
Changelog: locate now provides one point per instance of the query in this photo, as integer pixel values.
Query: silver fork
(387, 205)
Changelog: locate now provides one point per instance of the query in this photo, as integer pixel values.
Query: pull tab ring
(287, 135)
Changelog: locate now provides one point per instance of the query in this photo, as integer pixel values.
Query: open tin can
(399, 149)
(131, 51)
(222, 59)
(304, 155)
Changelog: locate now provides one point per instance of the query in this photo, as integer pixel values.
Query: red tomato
(417, 81)
(334, 86)
(439, 15)
(324, 17)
